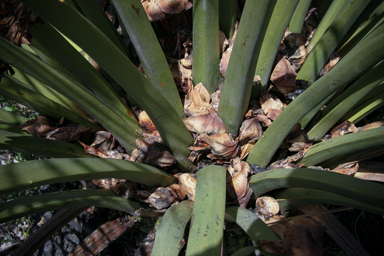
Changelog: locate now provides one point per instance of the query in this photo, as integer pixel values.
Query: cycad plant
(213, 127)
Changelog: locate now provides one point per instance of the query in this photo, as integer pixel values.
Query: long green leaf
(246, 251)
(18, 91)
(71, 89)
(237, 86)
(364, 56)
(295, 197)
(297, 21)
(94, 12)
(39, 146)
(95, 43)
(251, 224)
(86, 74)
(206, 50)
(227, 16)
(365, 108)
(320, 54)
(147, 46)
(170, 233)
(48, 92)
(35, 173)
(347, 100)
(11, 117)
(334, 11)
(372, 15)
(206, 234)
(363, 191)
(278, 21)
(65, 199)
(347, 144)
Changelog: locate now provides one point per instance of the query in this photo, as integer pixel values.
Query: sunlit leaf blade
(94, 12)
(346, 144)
(169, 234)
(278, 21)
(237, 86)
(16, 90)
(346, 101)
(12, 54)
(372, 15)
(366, 192)
(206, 233)
(65, 199)
(206, 53)
(334, 10)
(364, 56)
(39, 146)
(11, 128)
(11, 117)
(147, 46)
(251, 224)
(123, 71)
(86, 74)
(295, 197)
(320, 54)
(298, 17)
(35, 173)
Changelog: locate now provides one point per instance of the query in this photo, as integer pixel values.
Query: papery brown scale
(197, 101)
(250, 130)
(174, 6)
(210, 123)
(284, 77)
(153, 10)
(222, 145)
(269, 101)
(188, 185)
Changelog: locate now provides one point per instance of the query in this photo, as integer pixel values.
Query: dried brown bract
(197, 101)
(269, 101)
(161, 198)
(39, 126)
(343, 128)
(222, 145)
(332, 62)
(301, 237)
(210, 123)
(188, 185)
(156, 9)
(284, 76)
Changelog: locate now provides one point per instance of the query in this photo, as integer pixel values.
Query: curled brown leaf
(210, 123)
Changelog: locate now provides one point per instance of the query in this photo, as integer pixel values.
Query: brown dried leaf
(269, 101)
(153, 10)
(238, 186)
(174, 6)
(197, 101)
(95, 151)
(371, 170)
(300, 142)
(188, 185)
(210, 123)
(177, 192)
(223, 42)
(250, 130)
(332, 62)
(284, 76)
(343, 128)
(146, 123)
(273, 113)
(39, 126)
(266, 207)
(225, 60)
(222, 145)
(160, 199)
(372, 125)
(296, 49)
(110, 183)
(69, 133)
(302, 237)
(347, 170)
(152, 153)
